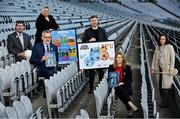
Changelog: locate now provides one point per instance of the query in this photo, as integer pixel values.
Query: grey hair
(46, 31)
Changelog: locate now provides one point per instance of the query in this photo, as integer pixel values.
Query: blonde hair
(124, 63)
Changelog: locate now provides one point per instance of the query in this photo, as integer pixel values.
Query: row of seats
(127, 42)
(176, 84)
(17, 79)
(105, 102)
(148, 8)
(171, 5)
(173, 40)
(5, 57)
(5, 19)
(21, 109)
(148, 101)
(63, 87)
(176, 92)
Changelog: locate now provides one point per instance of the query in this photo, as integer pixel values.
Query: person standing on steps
(164, 61)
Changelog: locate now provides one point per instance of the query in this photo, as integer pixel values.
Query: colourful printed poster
(113, 79)
(96, 55)
(66, 42)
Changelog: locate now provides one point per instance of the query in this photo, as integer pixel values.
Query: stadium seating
(104, 99)
(120, 23)
(21, 109)
(63, 87)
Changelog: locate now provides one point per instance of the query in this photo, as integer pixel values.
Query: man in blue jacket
(39, 57)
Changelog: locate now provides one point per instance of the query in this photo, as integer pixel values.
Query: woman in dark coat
(124, 90)
(44, 22)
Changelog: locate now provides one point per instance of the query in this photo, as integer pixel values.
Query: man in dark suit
(18, 42)
(39, 57)
(94, 34)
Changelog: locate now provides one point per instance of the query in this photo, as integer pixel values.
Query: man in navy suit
(18, 42)
(39, 57)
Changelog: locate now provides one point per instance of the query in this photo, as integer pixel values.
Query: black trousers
(91, 75)
(122, 93)
(45, 72)
(164, 93)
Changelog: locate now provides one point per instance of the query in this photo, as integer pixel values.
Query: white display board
(96, 54)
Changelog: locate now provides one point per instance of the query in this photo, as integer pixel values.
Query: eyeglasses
(46, 37)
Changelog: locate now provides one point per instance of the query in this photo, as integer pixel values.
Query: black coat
(127, 77)
(42, 24)
(88, 34)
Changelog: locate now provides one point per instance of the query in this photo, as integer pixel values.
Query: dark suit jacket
(88, 34)
(39, 51)
(14, 44)
(42, 24)
(127, 77)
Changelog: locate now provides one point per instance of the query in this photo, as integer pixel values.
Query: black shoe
(163, 105)
(90, 91)
(130, 114)
(136, 110)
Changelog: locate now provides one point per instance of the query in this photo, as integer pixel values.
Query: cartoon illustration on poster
(65, 40)
(96, 55)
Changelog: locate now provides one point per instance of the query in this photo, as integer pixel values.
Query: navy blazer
(38, 52)
(127, 77)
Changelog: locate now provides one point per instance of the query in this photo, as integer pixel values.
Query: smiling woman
(124, 90)
(45, 21)
(164, 61)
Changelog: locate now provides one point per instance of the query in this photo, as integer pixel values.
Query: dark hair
(167, 39)
(20, 22)
(45, 7)
(93, 16)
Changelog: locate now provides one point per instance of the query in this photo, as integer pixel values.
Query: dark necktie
(47, 46)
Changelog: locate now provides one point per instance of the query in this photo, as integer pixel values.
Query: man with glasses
(39, 57)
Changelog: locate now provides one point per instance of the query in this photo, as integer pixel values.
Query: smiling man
(39, 56)
(94, 34)
(18, 42)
